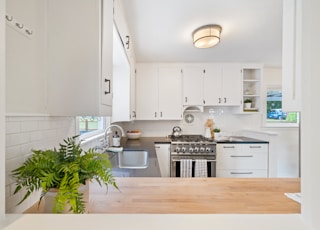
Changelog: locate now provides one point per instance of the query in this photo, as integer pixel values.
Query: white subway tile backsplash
(13, 151)
(24, 133)
(28, 126)
(13, 127)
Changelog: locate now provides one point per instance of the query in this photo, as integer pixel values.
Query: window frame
(276, 124)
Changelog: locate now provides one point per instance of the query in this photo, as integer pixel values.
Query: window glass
(275, 116)
(91, 125)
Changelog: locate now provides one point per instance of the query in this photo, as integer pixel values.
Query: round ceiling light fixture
(206, 36)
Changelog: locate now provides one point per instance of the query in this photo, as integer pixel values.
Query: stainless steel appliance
(192, 147)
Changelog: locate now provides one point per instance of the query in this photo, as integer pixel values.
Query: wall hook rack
(19, 26)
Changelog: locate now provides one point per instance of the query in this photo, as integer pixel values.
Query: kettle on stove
(176, 131)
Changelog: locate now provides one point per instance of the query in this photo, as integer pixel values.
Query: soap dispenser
(116, 140)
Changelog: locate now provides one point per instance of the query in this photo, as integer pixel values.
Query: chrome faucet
(107, 133)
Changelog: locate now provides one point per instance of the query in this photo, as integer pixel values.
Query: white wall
(310, 125)
(2, 109)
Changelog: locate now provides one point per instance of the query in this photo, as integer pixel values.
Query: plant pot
(52, 193)
(247, 105)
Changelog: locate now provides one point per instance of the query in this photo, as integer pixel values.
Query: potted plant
(216, 132)
(64, 169)
(247, 103)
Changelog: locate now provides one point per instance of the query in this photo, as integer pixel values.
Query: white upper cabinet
(158, 92)
(212, 84)
(291, 54)
(121, 110)
(231, 85)
(212, 87)
(170, 92)
(193, 85)
(80, 71)
(146, 92)
(120, 21)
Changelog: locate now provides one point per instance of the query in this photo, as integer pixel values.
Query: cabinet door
(121, 81)
(163, 155)
(170, 93)
(107, 54)
(146, 92)
(133, 114)
(291, 56)
(79, 57)
(231, 84)
(193, 85)
(212, 86)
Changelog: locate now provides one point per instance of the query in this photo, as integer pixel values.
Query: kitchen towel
(201, 168)
(185, 168)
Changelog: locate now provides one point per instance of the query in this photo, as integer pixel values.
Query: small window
(91, 125)
(275, 116)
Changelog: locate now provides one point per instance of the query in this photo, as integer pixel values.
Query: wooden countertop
(194, 195)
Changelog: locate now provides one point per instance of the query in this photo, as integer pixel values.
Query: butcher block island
(194, 195)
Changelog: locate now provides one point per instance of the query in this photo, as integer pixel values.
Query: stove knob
(177, 149)
(208, 149)
(201, 149)
(183, 149)
(190, 150)
(196, 149)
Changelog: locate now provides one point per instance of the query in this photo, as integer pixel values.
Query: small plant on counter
(248, 100)
(64, 169)
(216, 130)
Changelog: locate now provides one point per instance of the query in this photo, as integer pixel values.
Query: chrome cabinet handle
(241, 156)
(255, 147)
(229, 147)
(241, 172)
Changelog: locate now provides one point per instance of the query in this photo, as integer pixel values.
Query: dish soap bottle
(116, 140)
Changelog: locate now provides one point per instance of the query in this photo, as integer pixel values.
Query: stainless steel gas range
(192, 148)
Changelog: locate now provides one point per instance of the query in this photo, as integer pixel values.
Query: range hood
(193, 108)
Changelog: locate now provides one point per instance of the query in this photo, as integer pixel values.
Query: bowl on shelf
(134, 134)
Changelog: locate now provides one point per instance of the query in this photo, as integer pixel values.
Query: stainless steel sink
(133, 159)
(230, 139)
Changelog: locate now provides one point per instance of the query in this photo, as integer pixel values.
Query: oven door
(175, 165)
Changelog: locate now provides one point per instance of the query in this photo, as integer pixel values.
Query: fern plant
(65, 169)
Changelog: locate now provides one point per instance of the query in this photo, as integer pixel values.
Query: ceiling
(161, 30)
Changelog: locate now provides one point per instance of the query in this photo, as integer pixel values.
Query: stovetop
(190, 138)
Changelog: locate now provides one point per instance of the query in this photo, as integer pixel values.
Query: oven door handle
(175, 160)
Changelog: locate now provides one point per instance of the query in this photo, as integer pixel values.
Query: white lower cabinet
(242, 160)
(163, 155)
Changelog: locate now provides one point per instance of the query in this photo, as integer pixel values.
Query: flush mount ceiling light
(206, 36)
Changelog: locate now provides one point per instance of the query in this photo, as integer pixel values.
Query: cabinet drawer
(242, 173)
(223, 148)
(242, 160)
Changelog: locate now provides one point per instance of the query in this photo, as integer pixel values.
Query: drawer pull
(229, 147)
(247, 173)
(255, 147)
(241, 155)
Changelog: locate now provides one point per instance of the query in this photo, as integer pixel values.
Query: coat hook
(19, 25)
(9, 18)
(29, 32)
